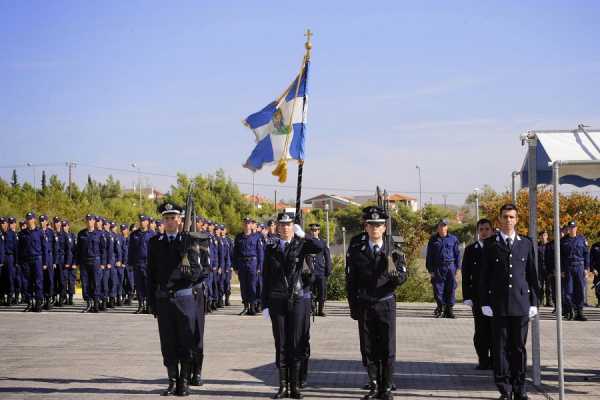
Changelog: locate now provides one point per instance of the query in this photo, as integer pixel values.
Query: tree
(44, 186)
(14, 181)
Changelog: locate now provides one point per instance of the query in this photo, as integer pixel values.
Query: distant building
(148, 193)
(334, 201)
(396, 199)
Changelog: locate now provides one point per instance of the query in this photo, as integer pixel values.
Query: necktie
(376, 250)
(509, 243)
(171, 238)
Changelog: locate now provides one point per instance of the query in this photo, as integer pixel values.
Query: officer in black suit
(471, 274)
(509, 294)
(176, 271)
(371, 280)
(285, 275)
(321, 264)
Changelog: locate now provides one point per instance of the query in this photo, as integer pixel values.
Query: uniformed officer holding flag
(176, 270)
(371, 279)
(285, 277)
(509, 294)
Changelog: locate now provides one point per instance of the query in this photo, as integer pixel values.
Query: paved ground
(115, 355)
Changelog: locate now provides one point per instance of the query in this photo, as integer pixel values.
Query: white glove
(468, 303)
(533, 311)
(298, 231)
(487, 311)
(265, 313)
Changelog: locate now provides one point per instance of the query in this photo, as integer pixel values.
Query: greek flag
(280, 128)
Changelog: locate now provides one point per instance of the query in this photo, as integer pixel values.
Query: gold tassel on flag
(281, 170)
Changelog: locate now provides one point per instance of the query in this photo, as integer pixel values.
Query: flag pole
(308, 46)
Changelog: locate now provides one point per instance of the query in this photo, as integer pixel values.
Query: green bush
(418, 286)
(336, 284)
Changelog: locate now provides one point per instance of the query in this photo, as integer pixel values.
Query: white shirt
(512, 237)
(480, 243)
(373, 244)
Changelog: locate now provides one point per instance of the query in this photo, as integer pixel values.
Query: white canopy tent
(557, 157)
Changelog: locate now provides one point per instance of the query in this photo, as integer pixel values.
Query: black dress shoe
(523, 396)
(505, 397)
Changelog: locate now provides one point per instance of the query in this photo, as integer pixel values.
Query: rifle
(193, 241)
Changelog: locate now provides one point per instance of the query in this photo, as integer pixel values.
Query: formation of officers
(40, 259)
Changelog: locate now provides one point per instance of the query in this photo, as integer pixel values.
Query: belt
(165, 294)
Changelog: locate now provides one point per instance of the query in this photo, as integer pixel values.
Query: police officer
(228, 244)
(33, 259)
(58, 251)
(138, 258)
(87, 259)
(471, 275)
(595, 269)
(23, 281)
(10, 278)
(545, 280)
(69, 271)
(116, 272)
(321, 264)
(509, 294)
(248, 258)
(128, 277)
(550, 266)
(2, 256)
(284, 276)
(371, 280)
(575, 261)
(51, 264)
(174, 287)
(442, 263)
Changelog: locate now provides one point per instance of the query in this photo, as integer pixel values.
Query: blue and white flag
(280, 128)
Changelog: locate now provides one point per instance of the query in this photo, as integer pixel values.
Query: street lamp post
(344, 245)
(420, 189)
(514, 175)
(327, 222)
(476, 211)
(134, 165)
(34, 180)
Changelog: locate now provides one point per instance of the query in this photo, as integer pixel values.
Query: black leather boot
(580, 316)
(321, 312)
(387, 373)
(196, 378)
(303, 373)
(88, 307)
(282, 393)
(128, 300)
(111, 303)
(173, 373)
(70, 299)
(373, 380)
(227, 303)
(438, 311)
(29, 306)
(182, 382)
(37, 305)
(449, 312)
(95, 306)
(119, 301)
(251, 310)
(140, 309)
(295, 381)
(245, 310)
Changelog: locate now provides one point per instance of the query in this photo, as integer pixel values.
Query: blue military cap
(284, 218)
(144, 217)
(113, 224)
(222, 226)
(270, 222)
(443, 221)
(123, 227)
(262, 226)
(572, 224)
(100, 219)
(65, 222)
(209, 222)
(22, 223)
(373, 214)
(11, 220)
(90, 217)
(56, 220)
(314, 226)
(169, 208)
(43, 217)
(151, 219)
(2, 220)
(29, 215)
(158, 223)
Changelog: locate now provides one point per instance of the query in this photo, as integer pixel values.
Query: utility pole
(70, 165)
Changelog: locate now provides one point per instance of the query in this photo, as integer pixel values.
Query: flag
(280, 128)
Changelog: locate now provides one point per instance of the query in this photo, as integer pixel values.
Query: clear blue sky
(445, 85)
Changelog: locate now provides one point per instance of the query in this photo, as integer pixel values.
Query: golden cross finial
(308, 44)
